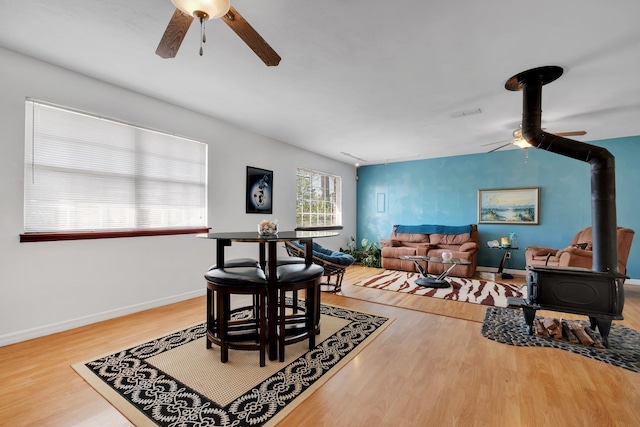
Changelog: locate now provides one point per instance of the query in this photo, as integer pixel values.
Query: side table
(505, 256)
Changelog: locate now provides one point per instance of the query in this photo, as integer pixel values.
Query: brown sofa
(578, 253)
(431, 240)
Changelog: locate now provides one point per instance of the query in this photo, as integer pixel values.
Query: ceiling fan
(522, 143)
(204, 10)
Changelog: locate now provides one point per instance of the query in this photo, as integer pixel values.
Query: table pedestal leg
(435, 282)
(272, 303)
(502, 263)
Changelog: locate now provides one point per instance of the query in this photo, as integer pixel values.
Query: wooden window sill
(50, 237)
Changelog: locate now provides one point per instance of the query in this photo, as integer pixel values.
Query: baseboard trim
(41, 331)
(523, 273)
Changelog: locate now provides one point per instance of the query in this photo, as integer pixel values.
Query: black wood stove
(597, 293)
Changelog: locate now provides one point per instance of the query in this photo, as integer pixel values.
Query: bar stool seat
(302, 325)
(238, 262)
(241, 333)
(286, 260)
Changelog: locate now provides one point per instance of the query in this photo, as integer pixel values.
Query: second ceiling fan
(204, 10)
(522, 143)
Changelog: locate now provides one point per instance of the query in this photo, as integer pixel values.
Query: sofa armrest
(389, 243)
(575, 257)
(468, 247)
(575, 252)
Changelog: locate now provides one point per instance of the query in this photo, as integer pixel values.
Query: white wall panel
(47, 287)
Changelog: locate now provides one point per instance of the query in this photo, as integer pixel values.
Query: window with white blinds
(319, 199)
(87, 173)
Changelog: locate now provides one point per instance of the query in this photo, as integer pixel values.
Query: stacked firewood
(561, 329)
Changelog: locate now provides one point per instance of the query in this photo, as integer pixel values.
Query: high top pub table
(268, 262)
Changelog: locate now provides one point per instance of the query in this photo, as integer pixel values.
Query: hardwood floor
(431, 367)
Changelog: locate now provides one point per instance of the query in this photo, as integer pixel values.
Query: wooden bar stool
(242, 333)
(294, 325)
(287, 260)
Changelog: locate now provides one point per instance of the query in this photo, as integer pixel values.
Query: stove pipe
(603, 186)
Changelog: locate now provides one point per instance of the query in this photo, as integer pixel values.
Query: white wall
(47, 287)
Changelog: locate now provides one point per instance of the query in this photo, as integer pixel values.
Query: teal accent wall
(445, 191)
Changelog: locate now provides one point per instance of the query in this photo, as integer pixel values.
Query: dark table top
(282, 236)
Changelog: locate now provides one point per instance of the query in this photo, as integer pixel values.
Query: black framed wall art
(259, 190)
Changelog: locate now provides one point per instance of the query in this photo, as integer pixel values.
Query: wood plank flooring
(431, 367)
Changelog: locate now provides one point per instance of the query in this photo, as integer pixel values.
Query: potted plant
(367, 255)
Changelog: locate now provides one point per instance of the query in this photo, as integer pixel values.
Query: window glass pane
(319, 199)
(86, 173)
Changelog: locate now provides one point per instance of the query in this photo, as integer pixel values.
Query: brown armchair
(578, 253)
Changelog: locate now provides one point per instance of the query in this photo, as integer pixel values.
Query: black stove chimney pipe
(603, 186)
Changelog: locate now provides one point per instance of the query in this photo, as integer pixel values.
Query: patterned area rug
(176, 381)
(507, 326)
(474, 291)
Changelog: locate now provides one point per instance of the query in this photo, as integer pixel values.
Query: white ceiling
(380, 80)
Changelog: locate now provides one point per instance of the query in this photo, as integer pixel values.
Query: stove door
(577, 291)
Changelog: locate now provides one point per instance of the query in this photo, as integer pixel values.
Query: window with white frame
(85, 173)
(319, 199)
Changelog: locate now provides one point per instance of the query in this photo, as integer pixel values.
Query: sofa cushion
(450, 239)
(410, 238)
(398, 251)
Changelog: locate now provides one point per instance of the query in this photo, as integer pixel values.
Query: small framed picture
(509, 206)
(259, 190)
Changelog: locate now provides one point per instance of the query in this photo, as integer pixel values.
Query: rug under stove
(507, 326)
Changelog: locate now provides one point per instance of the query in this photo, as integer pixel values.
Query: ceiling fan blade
(575, 133)
(502, 146)
(174, 34)
(251, 37)
(498, 142)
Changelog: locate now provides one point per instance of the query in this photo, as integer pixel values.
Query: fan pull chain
(203, 36)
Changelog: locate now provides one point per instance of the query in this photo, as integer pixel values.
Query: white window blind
(319, 199)
(87, 173)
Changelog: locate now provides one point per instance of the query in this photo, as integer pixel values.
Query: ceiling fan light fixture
(212, 8)
(522, 143)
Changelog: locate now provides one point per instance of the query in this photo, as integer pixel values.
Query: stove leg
(604, 326)
(529, 315)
